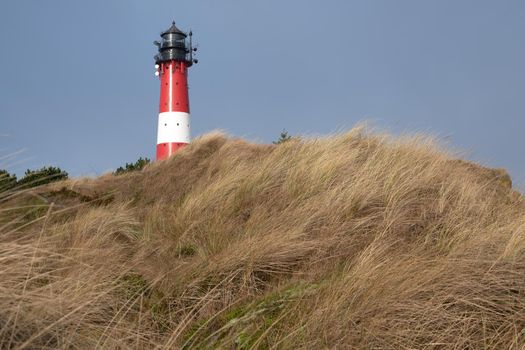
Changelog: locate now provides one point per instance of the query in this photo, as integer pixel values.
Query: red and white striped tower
(172, 62)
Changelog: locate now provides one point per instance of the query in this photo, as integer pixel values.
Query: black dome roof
(173, 30)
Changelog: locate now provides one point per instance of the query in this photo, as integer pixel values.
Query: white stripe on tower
(173, 127)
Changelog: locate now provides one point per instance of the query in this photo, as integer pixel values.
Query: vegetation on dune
(31, 178)
(282, 138)
(42, 176)
(351, 241)
(138, 165)
(7, 180)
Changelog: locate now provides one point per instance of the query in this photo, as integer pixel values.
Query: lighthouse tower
(174, 58)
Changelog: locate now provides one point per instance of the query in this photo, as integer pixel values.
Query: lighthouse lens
(174, 37)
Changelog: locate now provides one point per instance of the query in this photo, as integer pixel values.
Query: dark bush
(282, 138)
(138, 165)
(7, 181)
(33, 178)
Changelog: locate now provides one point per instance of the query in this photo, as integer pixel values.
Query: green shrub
(44, 175)
(138, 165)
(282, 138)
(7, 181)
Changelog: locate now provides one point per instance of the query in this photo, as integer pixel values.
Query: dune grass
(357, 240)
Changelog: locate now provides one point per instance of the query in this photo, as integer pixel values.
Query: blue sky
(77, 88)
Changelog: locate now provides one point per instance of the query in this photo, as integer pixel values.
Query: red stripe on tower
(172, 62)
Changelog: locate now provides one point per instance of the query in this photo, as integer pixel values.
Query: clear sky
(77, 88)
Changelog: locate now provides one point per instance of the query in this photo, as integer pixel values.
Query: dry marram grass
(356, 241)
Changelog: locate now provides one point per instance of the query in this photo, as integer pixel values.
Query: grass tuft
(356, 240)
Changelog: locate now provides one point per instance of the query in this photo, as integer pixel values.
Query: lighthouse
(174, 57)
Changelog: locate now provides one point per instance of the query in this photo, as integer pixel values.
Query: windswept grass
(356, 240)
